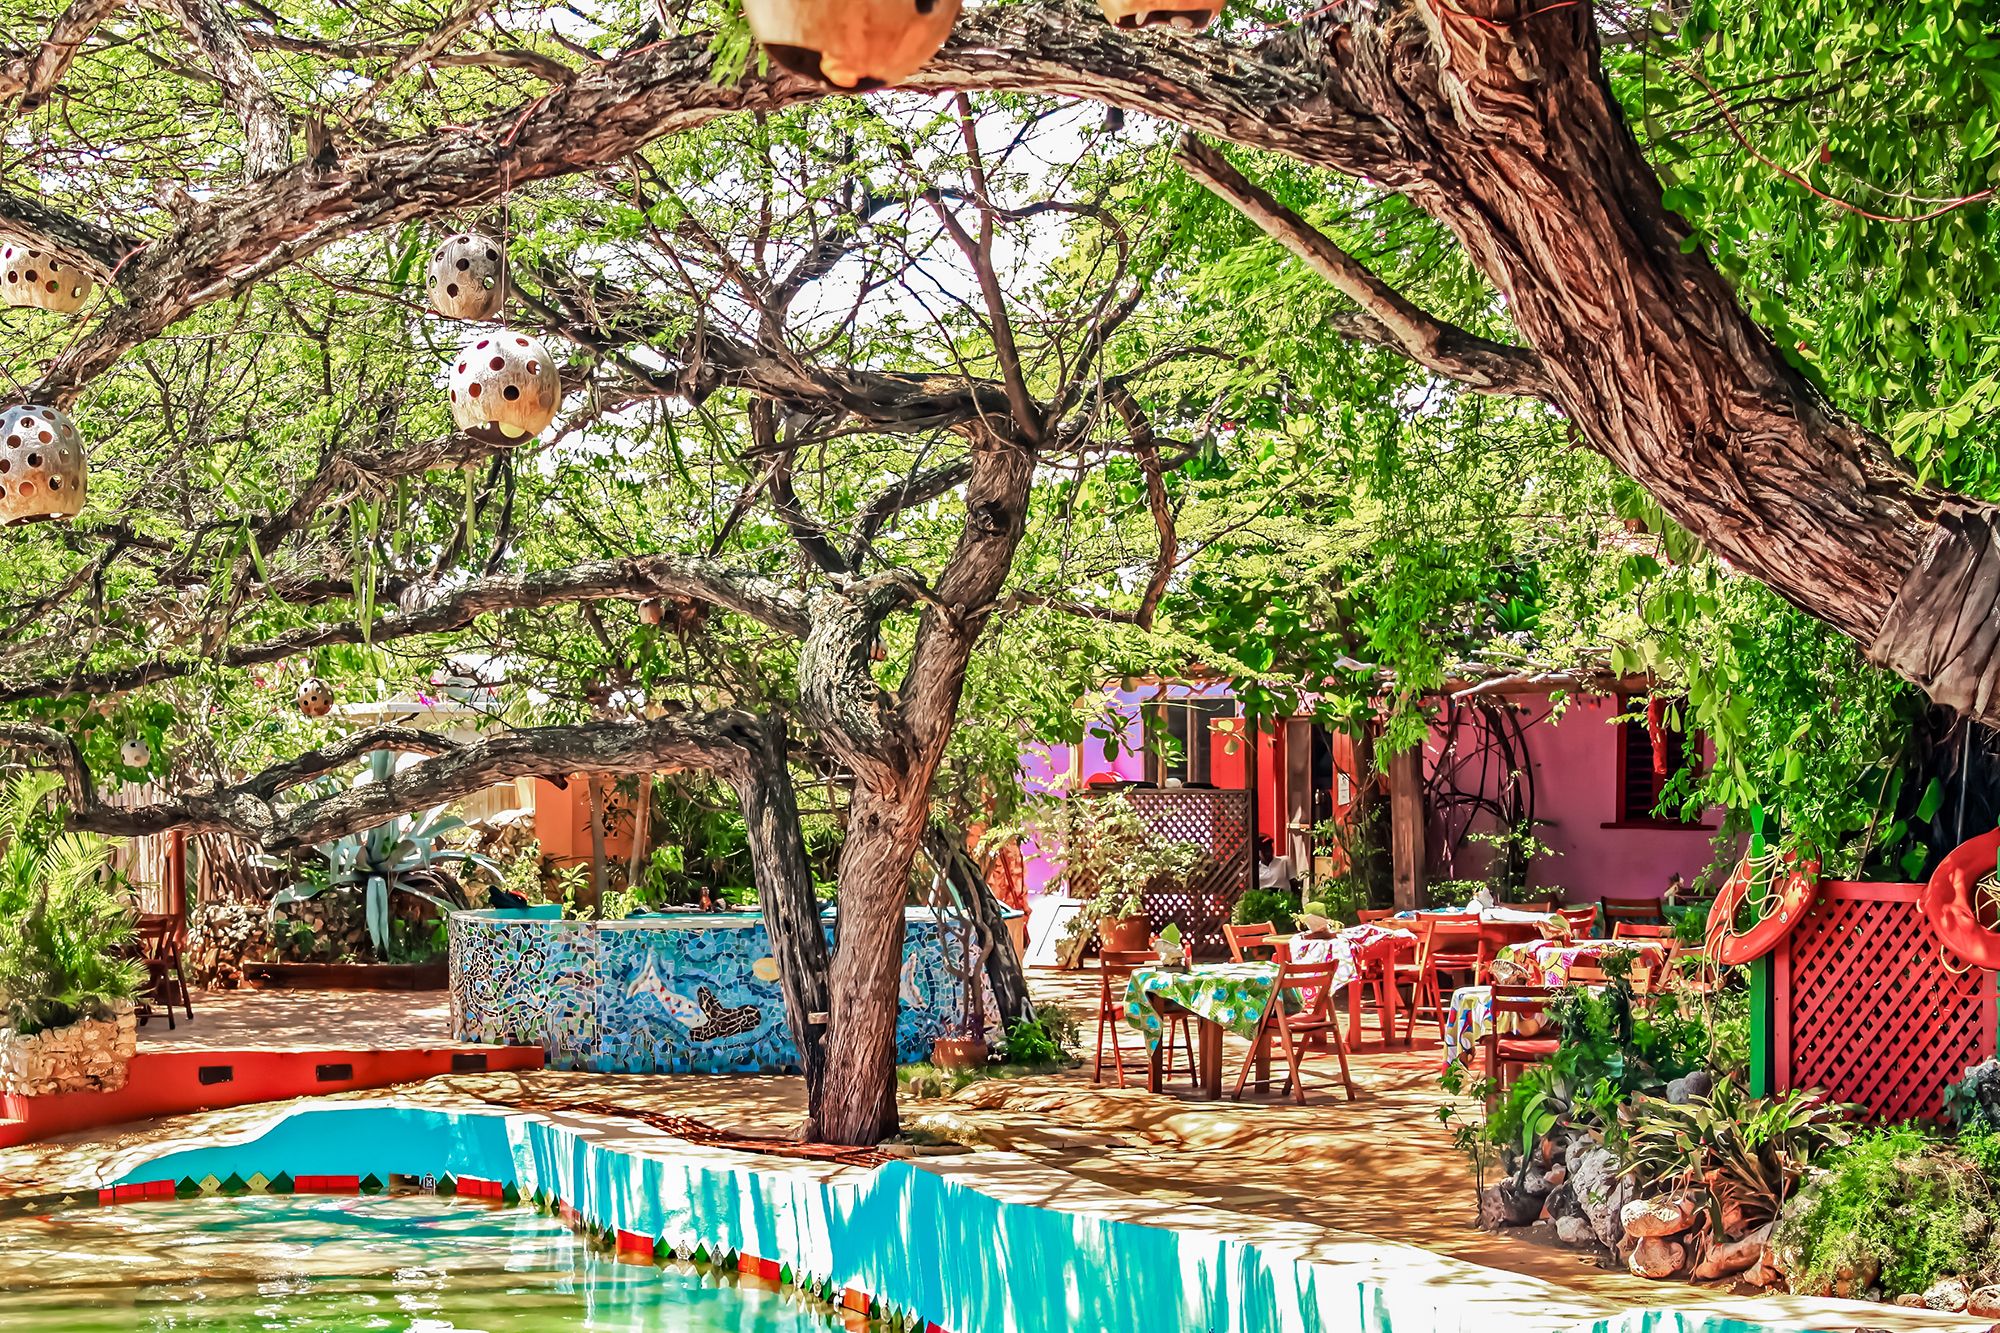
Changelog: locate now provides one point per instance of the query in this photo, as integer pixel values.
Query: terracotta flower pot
(959, 1053)
(1124, 933)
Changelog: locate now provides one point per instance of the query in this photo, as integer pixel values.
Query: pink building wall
(1575, 761)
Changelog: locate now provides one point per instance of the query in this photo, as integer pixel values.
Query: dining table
(1216, 997)
(1550, 962)
(1360, 953)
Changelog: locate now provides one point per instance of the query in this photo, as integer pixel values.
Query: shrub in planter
(1104, 854)
(1258, 906)
(66, 977)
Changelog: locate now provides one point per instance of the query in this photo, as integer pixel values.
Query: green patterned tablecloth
(1233, 995)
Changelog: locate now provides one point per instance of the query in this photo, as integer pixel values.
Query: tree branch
(1386, 318)
(33, 76)
(267, 131)
(250, 809)
(634, 578)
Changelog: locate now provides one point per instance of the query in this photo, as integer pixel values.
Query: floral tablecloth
(1548, 962)
(1343, 949)
(1233, 995)
(1469, 1017)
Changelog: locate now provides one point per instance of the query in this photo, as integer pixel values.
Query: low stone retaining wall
(87, 1056)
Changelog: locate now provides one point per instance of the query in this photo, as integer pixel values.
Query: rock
(1947, 1294)
(1575, 1229)
(1536, 1180)
(1594, 1178)
(1557, 1174)
(1657, 1258)
(1910, 1300)
(1507, 1205)
(1853, 1278)
(1984, 1303)
(1700, 1083)
(1648, 1218)
(1677, 1092)
(89, 1055)
(1733, 1256)
(1562, 1203)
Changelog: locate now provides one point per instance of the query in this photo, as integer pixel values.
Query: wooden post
(1251, 778)
(1406, 827)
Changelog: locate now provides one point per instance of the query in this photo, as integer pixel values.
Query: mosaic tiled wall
(663, 995)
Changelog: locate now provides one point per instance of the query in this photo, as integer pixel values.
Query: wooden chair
(1644, 910)
(1536, 905)
(1582, 921)
(1448, 947)
(1367, 915)
(158, 938)
(1115, 968)
(1507, 1051)
(1246, 941)
(1640, 930)
(1318, 1020)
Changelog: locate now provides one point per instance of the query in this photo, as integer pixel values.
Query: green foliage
(399, 856)
(1898, 1199)
(1973, 1103)
(1260, 905)
(64, 936)
(1747, 1152)
(1029, 1043)
(1104, 853)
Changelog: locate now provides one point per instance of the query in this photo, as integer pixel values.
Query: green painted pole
(1761, 1018)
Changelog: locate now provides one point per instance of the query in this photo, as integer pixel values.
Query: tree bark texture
(763, 783)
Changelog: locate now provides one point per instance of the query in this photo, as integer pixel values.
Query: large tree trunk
(763, 783)
(883, 831)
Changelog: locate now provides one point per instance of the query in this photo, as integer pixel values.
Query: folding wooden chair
(1371, 914)
(159, 940)
(1448, 948)
(1252, 943)
(1115, 968)
(1644, 910)
(1318, 1019)
(1516, 1007)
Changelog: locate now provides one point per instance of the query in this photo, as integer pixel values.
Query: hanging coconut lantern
(38, 278)
(856, 44)
(315, 697)
(504, 388)
(468, 277)
(41, 465)
(1186, 15)
(135, 753)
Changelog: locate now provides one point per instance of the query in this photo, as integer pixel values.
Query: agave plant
(400, 856)
(65, 938)
(1747, 1152)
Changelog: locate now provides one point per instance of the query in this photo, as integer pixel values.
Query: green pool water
(417, 1263)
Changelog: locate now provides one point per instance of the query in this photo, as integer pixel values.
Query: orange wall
(562, 821)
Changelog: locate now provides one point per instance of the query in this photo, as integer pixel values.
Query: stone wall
(87, 1056)
(222, 936)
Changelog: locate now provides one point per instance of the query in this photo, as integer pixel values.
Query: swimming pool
(415, 1263)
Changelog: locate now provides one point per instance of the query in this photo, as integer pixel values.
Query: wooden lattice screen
(1867, 1008)
(1217, 821)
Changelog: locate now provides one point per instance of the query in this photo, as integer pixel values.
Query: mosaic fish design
(722, 1021)
(617, 1000)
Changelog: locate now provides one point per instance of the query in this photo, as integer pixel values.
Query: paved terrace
(1381, 1167)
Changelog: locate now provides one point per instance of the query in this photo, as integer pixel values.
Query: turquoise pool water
(421, 1264)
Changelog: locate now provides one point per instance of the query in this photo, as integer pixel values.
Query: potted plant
(67, 976)
(1105, 856)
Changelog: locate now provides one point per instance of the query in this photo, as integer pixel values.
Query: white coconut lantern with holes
(135, 753)
(1186, 15)
(38, 278)
(41, 465)
(504, 388)
(855, 44)
(315, 697)
(468, 277)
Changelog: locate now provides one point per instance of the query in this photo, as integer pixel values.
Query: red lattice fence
(1218, 822)
(1867, 1007)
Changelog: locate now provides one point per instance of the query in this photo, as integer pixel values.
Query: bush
(1749, 1152)
(1973, 1103)
(1898, 1200)
(63, 934)
(1029, 1043)
(1261, 905)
